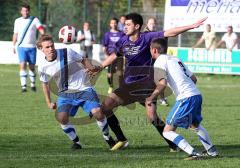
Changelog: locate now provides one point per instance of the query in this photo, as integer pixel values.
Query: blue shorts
(27, 55)
(70, 102)
(186, 112)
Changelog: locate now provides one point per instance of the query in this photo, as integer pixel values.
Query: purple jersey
(138, 56)
(110, 39)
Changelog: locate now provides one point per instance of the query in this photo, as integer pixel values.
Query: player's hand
(52, 106)
(199, 22)
(94, 70)
(149, 101)
(14, 50)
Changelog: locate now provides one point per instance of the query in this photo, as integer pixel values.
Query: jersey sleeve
(38, 23)
(160, 70)
(151, 35)
(15, 29)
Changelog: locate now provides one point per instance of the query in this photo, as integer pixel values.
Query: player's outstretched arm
(178, 30)
(109, 60)
(46, 92)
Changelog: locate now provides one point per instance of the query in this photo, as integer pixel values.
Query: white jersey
(89, 37)
(20, 25)
(177, 76)
(72, 77)
(229, 40)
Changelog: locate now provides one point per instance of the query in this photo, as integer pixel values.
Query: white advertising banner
(220, 13)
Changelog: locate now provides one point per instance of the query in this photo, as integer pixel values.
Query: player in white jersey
(68, 70)
(24, 40)
(186, 112)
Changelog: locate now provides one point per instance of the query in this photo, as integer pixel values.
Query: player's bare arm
(194, 78)
(14, 39)
(158, 90)
(109, 60)
(178, 30)
(46, 92)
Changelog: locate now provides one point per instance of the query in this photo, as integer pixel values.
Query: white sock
(70, 132)
(203, 137)
(179, 141)
(103, 125)
(32, 77)
(23, 78)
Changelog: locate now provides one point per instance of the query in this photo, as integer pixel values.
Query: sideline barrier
(7, 56)
(199, 60)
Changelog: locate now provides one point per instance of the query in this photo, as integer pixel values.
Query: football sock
(23, 79)
(115, 127)
(203, 137)
(179, 141)
(69, 130)
(159, 125)
(32, 78)
(110, 81)
(103, 125)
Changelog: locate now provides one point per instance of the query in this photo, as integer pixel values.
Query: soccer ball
(67, 34)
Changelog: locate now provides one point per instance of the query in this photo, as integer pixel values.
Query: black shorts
(135, 92)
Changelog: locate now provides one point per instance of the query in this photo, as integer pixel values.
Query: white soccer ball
(67, 34)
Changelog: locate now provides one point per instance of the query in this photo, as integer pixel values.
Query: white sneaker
(163, 102)
(211, 152)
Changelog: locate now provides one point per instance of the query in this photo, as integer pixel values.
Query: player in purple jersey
(109, 40)
(138, 80)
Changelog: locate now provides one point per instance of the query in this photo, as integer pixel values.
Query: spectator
(230, 38)
(86, 39)
(209, 37)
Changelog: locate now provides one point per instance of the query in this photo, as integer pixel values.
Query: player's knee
(97, 113)
(62, 118)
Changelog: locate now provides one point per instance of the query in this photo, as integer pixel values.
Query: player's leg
(181, 115)
(200, 130)
(64, 109)
(204, 138)
(92, 107)
(108, 105)
(103, 125)
(170, 134)
(110, 78)
(158, 124)
(22, 65)
(32, 61)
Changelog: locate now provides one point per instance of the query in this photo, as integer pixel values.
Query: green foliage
(30, 136)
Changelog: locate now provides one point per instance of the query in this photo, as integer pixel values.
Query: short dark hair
(160, 44)
(43, 38)
(25, 6)
(136, 18)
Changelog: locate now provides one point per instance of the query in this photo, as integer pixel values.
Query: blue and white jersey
(66, 70)
(178, 76)
(20, 25)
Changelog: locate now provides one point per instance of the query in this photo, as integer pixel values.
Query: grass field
(30, 136)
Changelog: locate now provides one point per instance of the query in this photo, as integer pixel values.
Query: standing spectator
(121, 23)
(24, 40)
(86, 39)
(209, 37)
(151, 25)
(230, 38)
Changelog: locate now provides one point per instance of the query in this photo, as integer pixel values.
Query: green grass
(30, 136)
